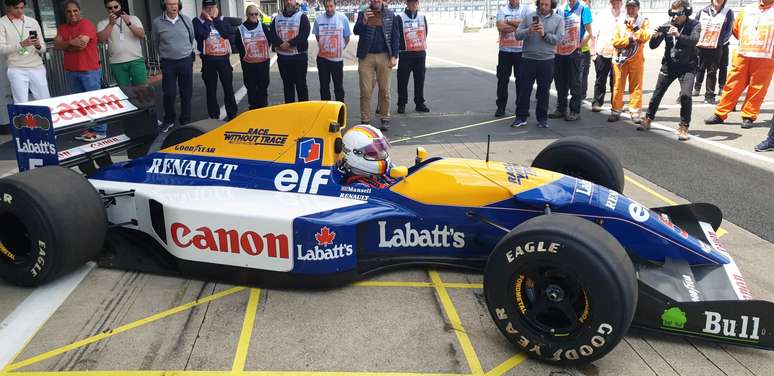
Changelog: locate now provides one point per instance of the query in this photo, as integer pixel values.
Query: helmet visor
(378, 150)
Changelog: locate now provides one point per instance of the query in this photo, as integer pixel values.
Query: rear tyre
(561, 288)
(52, 220)
(585, 158)
(189, 131)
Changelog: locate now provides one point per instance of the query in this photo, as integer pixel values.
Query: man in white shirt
(604, 51)
(124, 35)
(20, 43)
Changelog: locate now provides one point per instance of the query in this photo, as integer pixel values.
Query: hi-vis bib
(414, 32)
(214, 45)
(508, 40)
(256, 44)
(571, 40)
(287, 29)
(757, 35)
(331, 37)
(710, 28)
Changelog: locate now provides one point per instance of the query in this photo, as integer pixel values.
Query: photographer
(680, 58)
(20, 43)
(540, 30)
(124, 34)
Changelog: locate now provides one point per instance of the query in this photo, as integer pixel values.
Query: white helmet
(366, 151)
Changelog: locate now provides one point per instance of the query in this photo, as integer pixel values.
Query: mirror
(397, 172)
(421, 155)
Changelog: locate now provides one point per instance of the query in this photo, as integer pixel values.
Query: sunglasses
(676, 14)
(252, 14)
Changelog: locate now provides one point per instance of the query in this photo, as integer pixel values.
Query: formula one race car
(569, 262)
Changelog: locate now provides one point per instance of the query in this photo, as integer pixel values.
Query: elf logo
(308, 182)
(746, 327)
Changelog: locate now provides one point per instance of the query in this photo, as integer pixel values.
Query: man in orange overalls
(629, 40)
(753, 65)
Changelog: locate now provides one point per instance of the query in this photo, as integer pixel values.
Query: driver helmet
(366, 151)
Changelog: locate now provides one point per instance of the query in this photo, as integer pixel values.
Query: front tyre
(561, 288)
(52, 220)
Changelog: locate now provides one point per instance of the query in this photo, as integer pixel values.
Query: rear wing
(43, 130)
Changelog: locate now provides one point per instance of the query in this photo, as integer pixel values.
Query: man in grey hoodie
(540, 30)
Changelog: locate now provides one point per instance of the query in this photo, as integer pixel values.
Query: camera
(663, 29)
(535, 19)
(33, 34)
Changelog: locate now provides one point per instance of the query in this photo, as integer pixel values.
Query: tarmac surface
(415, 321)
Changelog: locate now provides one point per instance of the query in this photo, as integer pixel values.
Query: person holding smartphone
(22, 45)
(124, 34)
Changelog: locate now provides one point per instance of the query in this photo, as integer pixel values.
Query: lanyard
(20, 32)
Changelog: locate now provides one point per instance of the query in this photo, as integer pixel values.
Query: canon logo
(222, 240)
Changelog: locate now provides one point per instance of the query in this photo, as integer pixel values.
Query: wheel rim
(550, 300)
(14, 240)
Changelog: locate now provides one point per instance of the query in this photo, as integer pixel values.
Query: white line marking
(587, 104)
(241, 92)
(24, 322)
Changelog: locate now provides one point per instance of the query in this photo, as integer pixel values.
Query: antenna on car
(488, 137)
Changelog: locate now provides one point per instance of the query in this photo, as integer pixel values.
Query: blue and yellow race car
(569, 262)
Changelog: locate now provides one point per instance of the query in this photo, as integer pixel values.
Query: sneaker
(83, 135)
(710, 100)
(385, 125)
(645, 124)
(636, 119)
(747, 123)
(93, 136)
(596, 107)
(682, 132)
(519, 123)
(166, 126)
(766, 145)
(714, 119)
(500, 112)
(556, 115)
(614, 116)
(401, 108)
(571, 117)
(542, 124)
(422, 108)
(696, 92)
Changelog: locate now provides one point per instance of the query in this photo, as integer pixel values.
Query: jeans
(256, 76)
(665, 77)
(530, 71)
(567, 77)
(507, 62)
(177, 73)
(211, 71)
(293, 72)
(715, 63)
(407, 64)
(328, 70)
(81, 82)
(604, 69)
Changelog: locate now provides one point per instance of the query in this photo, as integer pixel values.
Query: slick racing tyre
(585, 158)
(189, 131)
(561, 289)
(52, 220)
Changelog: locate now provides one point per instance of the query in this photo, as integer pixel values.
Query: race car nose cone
(554, 293)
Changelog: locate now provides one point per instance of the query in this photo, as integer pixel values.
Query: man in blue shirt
(567, 64)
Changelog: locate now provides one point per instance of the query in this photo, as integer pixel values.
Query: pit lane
(410, 322)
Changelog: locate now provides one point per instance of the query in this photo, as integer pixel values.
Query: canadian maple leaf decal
(325, 236)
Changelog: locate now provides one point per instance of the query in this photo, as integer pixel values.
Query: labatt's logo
(320, 252)
(746, 327)
(409, 237)
(40, 147)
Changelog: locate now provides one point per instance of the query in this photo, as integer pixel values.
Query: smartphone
(535, 19)
(33, 34)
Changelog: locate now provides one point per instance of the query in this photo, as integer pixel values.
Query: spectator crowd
(538, 43)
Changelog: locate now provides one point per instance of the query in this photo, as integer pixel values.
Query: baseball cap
(633, 2)
(206, 3)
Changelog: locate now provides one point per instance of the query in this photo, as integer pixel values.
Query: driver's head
(366, 151)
